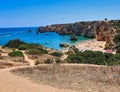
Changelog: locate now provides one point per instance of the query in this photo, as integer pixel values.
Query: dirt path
(64, 57)
(31, 62)
(12, 83)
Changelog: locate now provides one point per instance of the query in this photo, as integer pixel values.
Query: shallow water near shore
(48, 39)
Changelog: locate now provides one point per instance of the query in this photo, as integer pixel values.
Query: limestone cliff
(101, 30)
(104, 31)
(79, 28)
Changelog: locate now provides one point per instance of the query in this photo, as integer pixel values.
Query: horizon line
(57, 23)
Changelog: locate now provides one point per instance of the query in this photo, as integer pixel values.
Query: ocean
(48, 39)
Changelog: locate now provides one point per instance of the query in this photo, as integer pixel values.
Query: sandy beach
(92, 45)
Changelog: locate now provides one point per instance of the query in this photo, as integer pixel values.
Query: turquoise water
(49, 39)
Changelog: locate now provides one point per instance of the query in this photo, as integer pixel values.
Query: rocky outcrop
(64, 45)
(104, 31)
(79, 28)
(73, 49)
(101, 30)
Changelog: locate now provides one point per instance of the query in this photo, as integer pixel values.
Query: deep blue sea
(49, 39)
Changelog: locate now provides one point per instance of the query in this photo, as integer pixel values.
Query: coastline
(44, 39)
(91, 44)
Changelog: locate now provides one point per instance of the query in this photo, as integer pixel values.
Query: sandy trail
(13, 83)
(31, 62)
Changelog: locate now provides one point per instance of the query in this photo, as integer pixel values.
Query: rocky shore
(80, 28)
(101, 30)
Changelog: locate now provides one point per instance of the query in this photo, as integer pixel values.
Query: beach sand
(92, 45)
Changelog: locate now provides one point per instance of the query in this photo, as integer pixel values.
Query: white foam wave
(7, 35)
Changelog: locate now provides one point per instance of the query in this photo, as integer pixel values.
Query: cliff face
(104, 31)
(79, 28)
(101, 30)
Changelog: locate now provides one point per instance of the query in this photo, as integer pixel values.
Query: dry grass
(76, 77)
(41, 58)
(5, 65)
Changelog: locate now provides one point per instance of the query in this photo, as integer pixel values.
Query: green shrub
(58, 61)
(117, 59)
(109, 57)
(117, 39)
(42, 50)
(49, 61)
(74, 58)
(14, 43)
(57, 54)
(94, 57)
(37, 51)
(118, 50)
(87, 57)
(22, 47)
(33, 46)
(34, 52)
(16, 54)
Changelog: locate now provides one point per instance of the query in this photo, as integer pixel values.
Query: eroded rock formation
(104, 31)
(101, 30)
(79, 28)
(64, 45)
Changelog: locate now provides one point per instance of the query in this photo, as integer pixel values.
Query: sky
(33, 13)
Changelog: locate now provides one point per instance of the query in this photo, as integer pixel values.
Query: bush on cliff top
(18, 44)
(16, 54)
(23, 47)
(57, 54)
(87, 57)
(117, 39)
(38, 51)
(94, 57)
(34, 49)
(14, 43)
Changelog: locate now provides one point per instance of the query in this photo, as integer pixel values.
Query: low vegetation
(87, 57)
(34, 52)
(117, 38)
(33, 49)
(117, 42)
(16, 54)
(37, 51)
(58, 61)
(57, 54)
(14, 43)
(49, 61)
(23, 47)
(94, 57)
